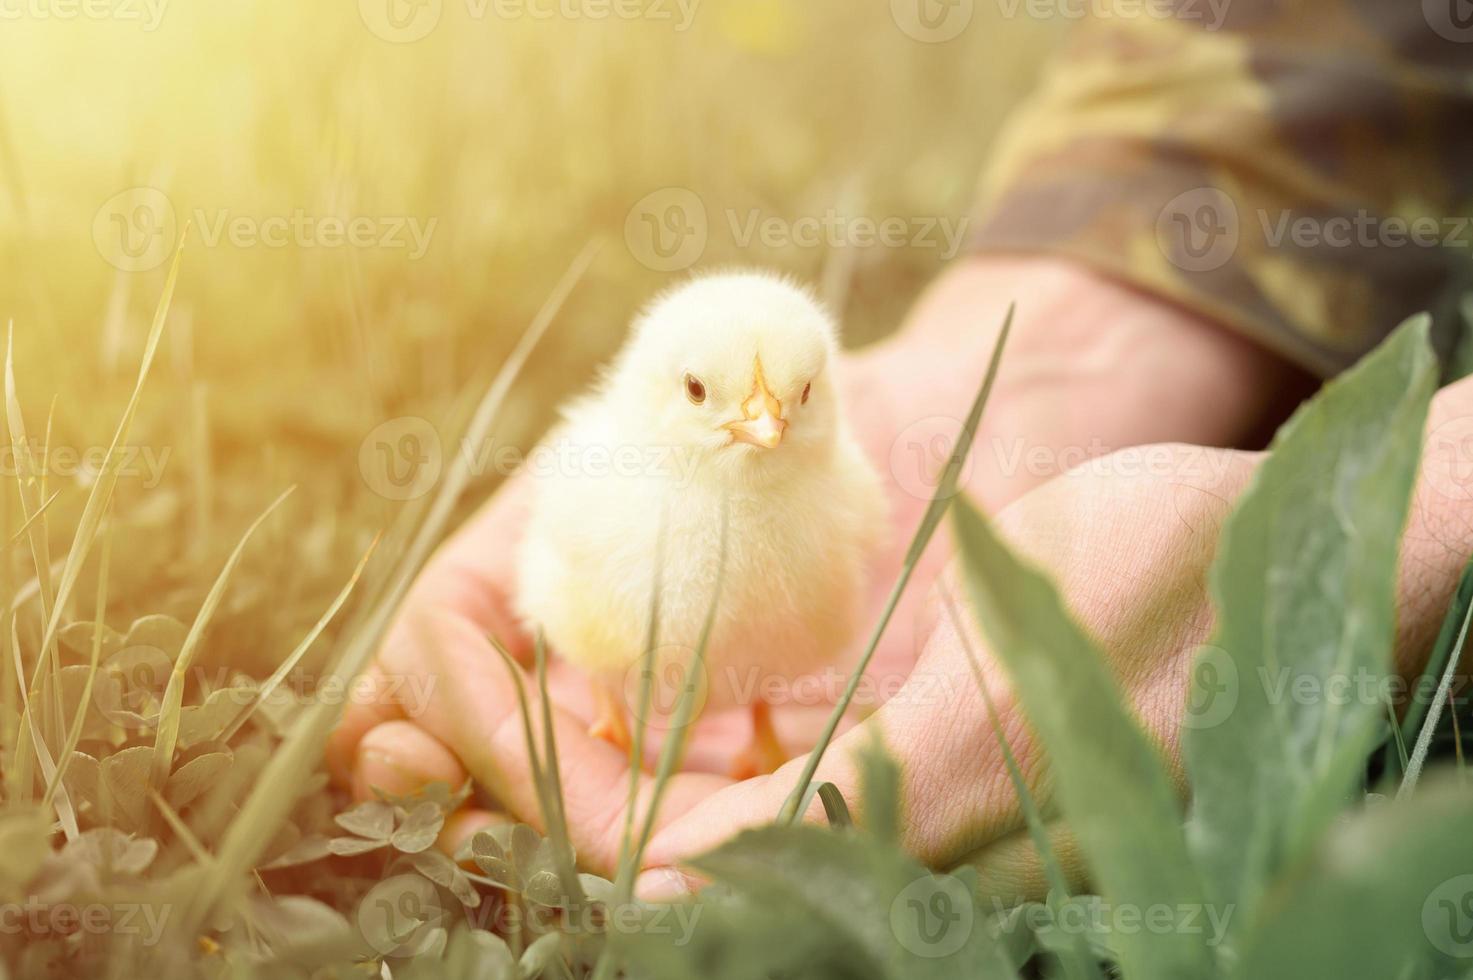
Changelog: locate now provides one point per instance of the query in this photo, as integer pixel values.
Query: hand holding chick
(723, 411)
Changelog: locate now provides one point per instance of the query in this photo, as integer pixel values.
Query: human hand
(1086, 370)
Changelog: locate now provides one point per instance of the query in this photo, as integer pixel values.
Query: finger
(373, 703)
(474, 573)
(938, 732)
(478, 718)
(1011, 869)
(399, 758)
(470, 577)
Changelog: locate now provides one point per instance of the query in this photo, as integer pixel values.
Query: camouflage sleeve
(1301, 170)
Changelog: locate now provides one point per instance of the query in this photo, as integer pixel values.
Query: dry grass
(515, 145)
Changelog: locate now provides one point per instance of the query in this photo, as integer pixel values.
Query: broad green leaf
(1304, 586)
(890, 917)
(879, 791)
(1110, 779)
(1388, 893)
(1076, 960)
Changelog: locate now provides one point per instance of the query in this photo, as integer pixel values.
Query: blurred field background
(521, 139)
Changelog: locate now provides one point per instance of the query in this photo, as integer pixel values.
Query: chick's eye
(694, 390)
(806, 389)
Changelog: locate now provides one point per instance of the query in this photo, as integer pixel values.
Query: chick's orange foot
(763, 753)
(609, 722)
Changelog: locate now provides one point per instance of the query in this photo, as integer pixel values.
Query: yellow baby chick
(722, 399)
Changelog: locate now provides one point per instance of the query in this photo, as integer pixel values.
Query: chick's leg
(609, 722)
(764, 753)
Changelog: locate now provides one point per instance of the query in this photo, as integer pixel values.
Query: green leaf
(1386, 894)
(1304, 585)
(194, 777)
(834, 807)
(106, 847)
(419, 829)
(540, 955)
(1436, 676)
(879, 781)
(373, 819)
(447, 874)
(349, 846)
(1110, 779)
(876, 910)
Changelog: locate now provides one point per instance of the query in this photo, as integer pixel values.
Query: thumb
(741, 806)
(954, 781)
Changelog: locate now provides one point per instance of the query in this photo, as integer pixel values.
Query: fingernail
(662, 885)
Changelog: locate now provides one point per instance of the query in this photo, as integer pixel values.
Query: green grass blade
(946, 489)
(15, 538)
(1434, 712)
(1081, 964)
(1442, 652)
(685, 706)
(36, 743)
(167, 736)
(641, 714)
(269, 686)
(1111, 780)
(102, 490)
(1304, 588)
(253, 828)
(834, 807)
(556, 814)
(74, 736)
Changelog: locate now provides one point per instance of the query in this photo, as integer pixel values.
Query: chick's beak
(762, 423)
